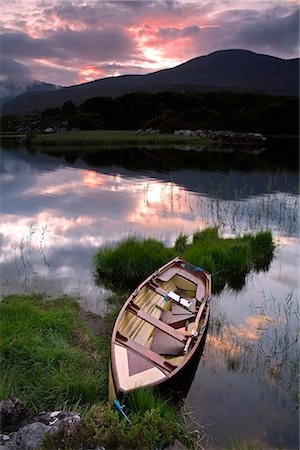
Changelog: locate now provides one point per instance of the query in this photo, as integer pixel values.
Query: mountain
(235, 70)
(11, 90)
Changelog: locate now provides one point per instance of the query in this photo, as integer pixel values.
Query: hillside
(235, 70)
(10, 90)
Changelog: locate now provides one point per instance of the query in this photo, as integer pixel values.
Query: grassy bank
(50, 360)
(48, 357)
(228, 260)
(109, 138)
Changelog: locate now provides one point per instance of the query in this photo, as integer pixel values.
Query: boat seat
(186, 304)
(163, 344)
(159, 324)
(178, 309)
(152, 356)
(171, 272)
(176, 320)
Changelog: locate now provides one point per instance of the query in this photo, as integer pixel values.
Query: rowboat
(160, 328)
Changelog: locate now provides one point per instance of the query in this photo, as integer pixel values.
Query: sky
(67, 42)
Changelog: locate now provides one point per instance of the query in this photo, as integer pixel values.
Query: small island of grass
(229, 260)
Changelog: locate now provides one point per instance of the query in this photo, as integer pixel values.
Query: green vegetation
(157, 426)
(168, 111)
(228, 260)
(110, 139)
(50, 360)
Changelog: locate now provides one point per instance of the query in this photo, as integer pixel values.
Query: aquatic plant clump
(131, 261)
(229, 260)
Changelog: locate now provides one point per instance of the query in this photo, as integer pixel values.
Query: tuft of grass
(262, 247)
(130, 262)
(48, 357)
(208, 234)
(181, 243)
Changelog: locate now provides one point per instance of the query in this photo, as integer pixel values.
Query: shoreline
(199, 140)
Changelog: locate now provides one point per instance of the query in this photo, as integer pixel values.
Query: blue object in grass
(120, 408)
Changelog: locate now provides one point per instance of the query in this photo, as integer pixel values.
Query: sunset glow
(69, 42)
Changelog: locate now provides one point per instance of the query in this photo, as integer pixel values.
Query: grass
(110, 138)
(133, 260)
(229, 260)
(48, 357)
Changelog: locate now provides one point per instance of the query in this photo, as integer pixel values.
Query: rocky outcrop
(27, 432)
(225, 137)
(147, 131)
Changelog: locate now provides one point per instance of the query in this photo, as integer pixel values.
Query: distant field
(110, 138)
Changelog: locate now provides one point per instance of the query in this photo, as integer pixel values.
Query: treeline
(169, 111)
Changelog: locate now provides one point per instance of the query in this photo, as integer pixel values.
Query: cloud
(272, 33)
(23, 45)
(102, 45)
(171, 32)
(15, 71)
(14, 77)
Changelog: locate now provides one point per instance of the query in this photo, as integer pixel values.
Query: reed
(239, 445)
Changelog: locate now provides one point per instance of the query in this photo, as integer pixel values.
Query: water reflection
(56, 214)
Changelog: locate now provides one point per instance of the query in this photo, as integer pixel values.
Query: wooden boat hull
(160, 329)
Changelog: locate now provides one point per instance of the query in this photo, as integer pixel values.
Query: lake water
(56, 212)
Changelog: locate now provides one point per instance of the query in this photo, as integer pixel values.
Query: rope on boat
(191, 267)
(120, 408)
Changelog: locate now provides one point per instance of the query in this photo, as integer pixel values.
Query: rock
(147, 131)
(31, 436)
(59, 419)
(12, 412)
(31, 429)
